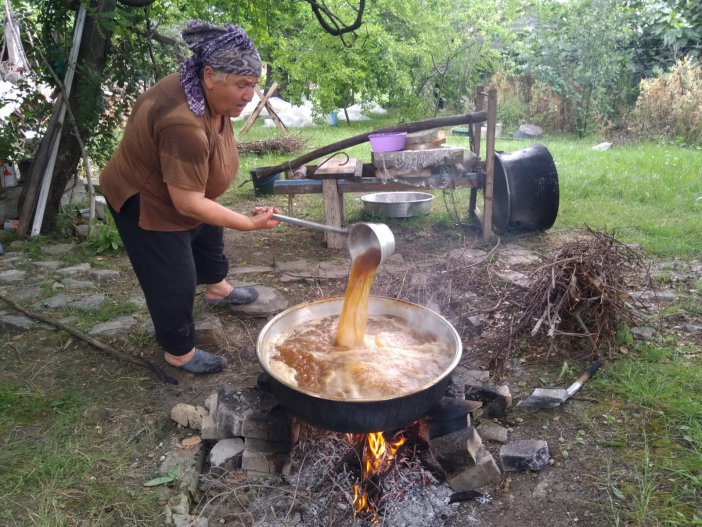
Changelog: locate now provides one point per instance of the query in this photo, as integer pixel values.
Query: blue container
(264, 186)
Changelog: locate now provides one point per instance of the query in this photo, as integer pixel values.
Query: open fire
(378, 456)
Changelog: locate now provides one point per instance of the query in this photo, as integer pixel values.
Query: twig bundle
(284, 144)
(581, 293)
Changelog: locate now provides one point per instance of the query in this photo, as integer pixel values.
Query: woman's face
(228, 94)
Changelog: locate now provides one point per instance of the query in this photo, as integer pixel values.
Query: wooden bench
(335, 177)
(346, 176)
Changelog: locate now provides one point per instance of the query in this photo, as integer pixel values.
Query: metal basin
(359, 415)
(397, 204)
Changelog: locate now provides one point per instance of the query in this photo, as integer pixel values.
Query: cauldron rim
(457, 351)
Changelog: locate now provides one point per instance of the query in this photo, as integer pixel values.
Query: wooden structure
(337, 176)
(263, 103)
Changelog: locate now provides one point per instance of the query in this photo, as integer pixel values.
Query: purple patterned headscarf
(228, 49)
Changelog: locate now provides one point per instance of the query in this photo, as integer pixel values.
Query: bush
(671, 105)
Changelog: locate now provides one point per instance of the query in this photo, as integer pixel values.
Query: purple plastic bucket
(391, 142)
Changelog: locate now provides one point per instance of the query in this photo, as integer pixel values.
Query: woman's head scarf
(225, 48)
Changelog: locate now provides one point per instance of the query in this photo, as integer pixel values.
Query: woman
(177, 156)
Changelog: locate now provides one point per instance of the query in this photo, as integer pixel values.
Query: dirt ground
(571, 491)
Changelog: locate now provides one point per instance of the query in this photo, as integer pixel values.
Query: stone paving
(47, 285)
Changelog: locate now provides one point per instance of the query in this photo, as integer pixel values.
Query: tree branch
(333, 24)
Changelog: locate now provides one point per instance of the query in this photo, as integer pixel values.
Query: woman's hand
(195, 205)
(262, 217)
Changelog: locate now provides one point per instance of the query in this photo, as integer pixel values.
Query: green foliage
(105, 237)
(580, 49)
(671, 104)
(624, 336)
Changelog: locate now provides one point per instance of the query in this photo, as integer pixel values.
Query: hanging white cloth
(17, 64)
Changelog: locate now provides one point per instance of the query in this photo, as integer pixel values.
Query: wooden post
(476, 127)
(475, 135)
(489, 164)
(333, 207)
(263, 103)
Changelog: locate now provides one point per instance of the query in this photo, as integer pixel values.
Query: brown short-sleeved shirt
(164, 143)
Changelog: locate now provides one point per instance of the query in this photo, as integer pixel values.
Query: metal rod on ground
(162, 375)
(417, 126)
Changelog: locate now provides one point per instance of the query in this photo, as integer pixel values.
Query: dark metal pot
(525, 193)
(360, 416)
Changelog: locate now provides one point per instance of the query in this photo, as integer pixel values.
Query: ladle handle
(309, 224)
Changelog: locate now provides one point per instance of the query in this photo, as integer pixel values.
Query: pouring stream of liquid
(354, 313)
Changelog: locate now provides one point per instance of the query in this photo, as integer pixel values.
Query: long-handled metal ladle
(362, 236)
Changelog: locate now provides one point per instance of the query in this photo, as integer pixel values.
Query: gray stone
(495, 399)
(69, 320)
(657, 296)
(272, 426)
(75, 269)
(188, 416)
(523, 454)
(188, 462)
(456, 450)
(270, 302)
(332, 269)
(72, 283)
(12, 261)
(57, 248)
(484, 472)
(49, 265)
(693, 329)
(227, 455)
(265, 463)
(491, 431)
(56, 301)
(252, 269)
(137, 301)
(30, 293)
(468, 256)
(210, 430)
(528, 131)
(515, 277)
(82, 230)
(394, 265)
(12, 275)
(643, 333)
(15, 322)
(512, 254)
(91, 302)
(148, 327)
(106, 275)
(117, 327)
(210, 334)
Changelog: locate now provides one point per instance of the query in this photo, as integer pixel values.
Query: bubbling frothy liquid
(364, 358)
(393, 360)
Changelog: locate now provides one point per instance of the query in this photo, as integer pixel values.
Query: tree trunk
(86, 104)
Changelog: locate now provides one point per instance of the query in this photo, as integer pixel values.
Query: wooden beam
(416, 126)
(263, 101)
(489, 164)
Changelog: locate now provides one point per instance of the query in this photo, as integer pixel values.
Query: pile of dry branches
(283, 144)
(581, 293)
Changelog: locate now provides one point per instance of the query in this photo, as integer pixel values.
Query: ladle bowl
(367, 236)
(362, 236)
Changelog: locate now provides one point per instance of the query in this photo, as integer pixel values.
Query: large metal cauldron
(525, 194)
(360, 416)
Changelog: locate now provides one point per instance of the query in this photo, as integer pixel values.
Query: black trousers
(169, 266)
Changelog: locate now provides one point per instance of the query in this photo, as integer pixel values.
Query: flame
(378, 457)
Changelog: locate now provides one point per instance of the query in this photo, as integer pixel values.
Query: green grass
(643, 193)
(656, 411)
(59, 468)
